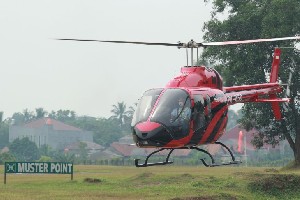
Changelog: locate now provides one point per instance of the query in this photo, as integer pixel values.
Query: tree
(6, 157)
(17, 118)
(45, 150)
(1, 116)
(109, 132)
(120, 112)
(105, 130)
(233, 118)
(63, 115)
(28, 115)
(24, 149)
(248, 64)
(63, 157)
(83, 152)
(4, 129)
(21, 118)
(40, 112)
(131, 110)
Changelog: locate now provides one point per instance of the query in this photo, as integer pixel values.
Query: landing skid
(166, 162)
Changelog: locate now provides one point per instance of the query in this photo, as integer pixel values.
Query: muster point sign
(38, 167)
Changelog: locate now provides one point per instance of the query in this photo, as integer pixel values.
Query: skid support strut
(213, 164)
(146, 164)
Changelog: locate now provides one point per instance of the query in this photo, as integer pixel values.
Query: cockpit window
(174, 111)
(145, 105)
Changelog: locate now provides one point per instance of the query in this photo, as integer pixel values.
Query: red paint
(221, 131)
(147, 126)
(275, 66)
(240, 142)
(194, 77)
(212, 126)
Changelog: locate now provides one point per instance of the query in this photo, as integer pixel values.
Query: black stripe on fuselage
(217, 127)
(217, 108)
(198, 134)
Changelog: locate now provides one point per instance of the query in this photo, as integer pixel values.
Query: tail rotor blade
(288, 90)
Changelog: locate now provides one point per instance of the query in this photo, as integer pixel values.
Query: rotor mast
(190, 45)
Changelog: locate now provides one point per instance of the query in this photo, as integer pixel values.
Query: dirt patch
(272, 170)
(219, 197)
(92, 180)
(186, 175)
(144, 179)
(144, 175)
(195, 198)
(182, 177)
(276, 184)
(240, 173)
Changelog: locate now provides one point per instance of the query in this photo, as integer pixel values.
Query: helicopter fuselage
(159, 120)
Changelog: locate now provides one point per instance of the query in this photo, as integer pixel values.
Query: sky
(88, 78)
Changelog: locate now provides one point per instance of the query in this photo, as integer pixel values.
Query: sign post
(38, 167)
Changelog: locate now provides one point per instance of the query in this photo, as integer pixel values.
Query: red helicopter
(191, 110)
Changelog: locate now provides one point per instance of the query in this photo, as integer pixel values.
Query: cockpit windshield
(174, 111)
(145, 105)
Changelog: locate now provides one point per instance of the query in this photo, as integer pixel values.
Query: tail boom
(255, 93)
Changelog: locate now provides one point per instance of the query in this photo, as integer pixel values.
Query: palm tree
(28, 115)
(131, 110)
(119, 112)
(40, 112)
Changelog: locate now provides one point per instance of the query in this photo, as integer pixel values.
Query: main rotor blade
(190, 44)
(248, 41)
(126, 42)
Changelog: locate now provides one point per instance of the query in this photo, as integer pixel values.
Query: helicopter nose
(151, 134)
(146, 130)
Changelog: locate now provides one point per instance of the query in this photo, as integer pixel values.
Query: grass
(161, 182)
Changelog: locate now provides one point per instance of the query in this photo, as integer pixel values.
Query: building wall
(61, 139)
(38, 136)
(56, 139)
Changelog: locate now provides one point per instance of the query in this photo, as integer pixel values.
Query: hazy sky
(38, 71)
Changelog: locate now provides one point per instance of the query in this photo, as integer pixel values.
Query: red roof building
(46, 121)
(48, 131)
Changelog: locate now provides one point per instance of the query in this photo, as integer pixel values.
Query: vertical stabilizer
(274, 79)
(275, 66)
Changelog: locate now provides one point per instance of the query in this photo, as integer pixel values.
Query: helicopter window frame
(145, 105)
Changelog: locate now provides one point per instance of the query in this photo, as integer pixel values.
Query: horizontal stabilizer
(273, 100)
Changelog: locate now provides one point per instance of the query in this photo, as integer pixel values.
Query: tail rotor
(288, 90)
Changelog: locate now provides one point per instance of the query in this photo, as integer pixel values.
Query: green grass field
(161, 182)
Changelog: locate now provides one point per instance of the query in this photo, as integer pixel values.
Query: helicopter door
(208, 109)
(198, 114)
